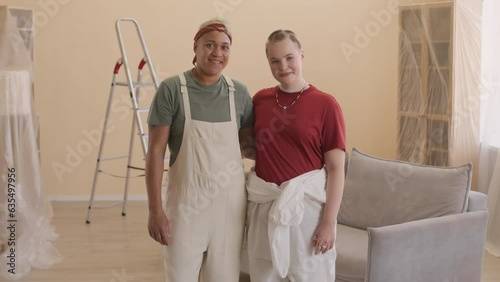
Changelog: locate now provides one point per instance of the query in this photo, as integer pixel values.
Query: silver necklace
(298, 96)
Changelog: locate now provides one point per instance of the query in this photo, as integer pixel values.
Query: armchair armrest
(442, 249)
(477, 201)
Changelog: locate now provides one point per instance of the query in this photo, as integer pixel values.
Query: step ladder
(134, 91)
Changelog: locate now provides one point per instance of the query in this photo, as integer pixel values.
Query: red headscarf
(212, 27)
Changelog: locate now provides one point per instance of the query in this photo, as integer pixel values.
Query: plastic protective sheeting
(26, 232)
(439, 67)
(16, 39)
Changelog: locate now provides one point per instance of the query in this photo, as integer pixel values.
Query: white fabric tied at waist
(287, 209)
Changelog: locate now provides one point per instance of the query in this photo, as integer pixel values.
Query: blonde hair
(280, 35)
(216, 21)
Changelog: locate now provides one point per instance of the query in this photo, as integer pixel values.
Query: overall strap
(232, 107)
(185, 97)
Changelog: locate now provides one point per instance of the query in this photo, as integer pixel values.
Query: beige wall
(76, 49)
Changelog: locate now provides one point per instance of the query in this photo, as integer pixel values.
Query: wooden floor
(118, 249)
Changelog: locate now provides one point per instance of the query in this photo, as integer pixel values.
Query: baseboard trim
(86, 198)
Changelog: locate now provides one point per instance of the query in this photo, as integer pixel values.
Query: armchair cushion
(448, 248)
(352, 247)
(477, 201)
(381, 192)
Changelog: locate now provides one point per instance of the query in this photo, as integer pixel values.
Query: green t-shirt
(208, 103)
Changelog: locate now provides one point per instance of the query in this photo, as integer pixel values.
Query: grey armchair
(401, 222)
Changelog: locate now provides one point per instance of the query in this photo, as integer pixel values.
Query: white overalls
(281, 223)
(206, 200)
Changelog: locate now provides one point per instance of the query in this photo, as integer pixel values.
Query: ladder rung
(135, 167)
(139, 168)
(165, 159)
(121, 176)
(142, 110)
(136, 84)
(113, 158)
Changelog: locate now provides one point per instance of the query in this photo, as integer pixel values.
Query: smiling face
(212, 54)
(285, 60)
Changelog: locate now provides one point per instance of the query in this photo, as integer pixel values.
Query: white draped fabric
(489, 167)
(26, 232)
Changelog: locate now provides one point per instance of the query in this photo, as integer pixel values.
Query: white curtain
(489, 167)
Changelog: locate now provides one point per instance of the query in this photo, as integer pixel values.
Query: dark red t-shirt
(293, 141)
